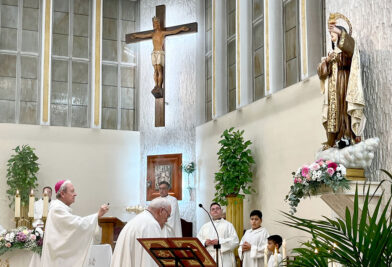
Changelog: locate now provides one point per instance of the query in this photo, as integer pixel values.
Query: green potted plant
(235, 160)
(22, 174)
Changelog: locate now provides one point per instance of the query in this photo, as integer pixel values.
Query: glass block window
(71, 45)
(208, 59)
(231, 52)
(291, 41)
(19, 61)
(258, 49)
(118, 65)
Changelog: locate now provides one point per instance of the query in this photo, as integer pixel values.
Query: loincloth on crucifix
(158, 58)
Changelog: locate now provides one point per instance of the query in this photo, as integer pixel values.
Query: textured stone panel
(60, 44)
(30, 41)
(109, 118)
(110, 9)
(80, 25)
(60, 22)
(257, 8)
(127, 77)
(8, 65)
(58, 115)
(109, 29)
(290, 13)
(291, 72)
(8, 39)
(109, 50)
(80, 72)
(231, 24)
(291, 44)
(258, 35)
(128, 10)
(30, 19)
(258, 85)
(7, 111)
(79, 116)
(28, 112)
(127, 119)
(7, 88)
(59, 70)
(29, 67)
(127, 27)
(59, 93)
(29, 90)
(258, 62)
(109, 75)
(232, 96)
(372, 26)
(9, 16)
(31, 3)
(109, 96)
(81, 7)
(80, 47)
(79, 94)
(61, 5)
(127, 98)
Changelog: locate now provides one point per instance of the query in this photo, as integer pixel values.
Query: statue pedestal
(355, 174)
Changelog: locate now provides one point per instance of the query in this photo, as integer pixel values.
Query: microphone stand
(217, 246)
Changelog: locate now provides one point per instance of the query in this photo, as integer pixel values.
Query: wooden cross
(158, 57)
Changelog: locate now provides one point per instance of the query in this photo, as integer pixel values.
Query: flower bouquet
(21, 238)
(310, 179)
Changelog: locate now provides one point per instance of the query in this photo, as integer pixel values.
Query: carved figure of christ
(158, 35)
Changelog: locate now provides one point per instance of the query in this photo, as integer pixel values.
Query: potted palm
(234, 179)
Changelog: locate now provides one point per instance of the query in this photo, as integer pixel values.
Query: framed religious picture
(164, 168)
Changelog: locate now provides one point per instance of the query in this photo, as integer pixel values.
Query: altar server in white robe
(68, 237)
(174, 222)
(39, 206)
(148, 224)
(254, 242)
(227, 237)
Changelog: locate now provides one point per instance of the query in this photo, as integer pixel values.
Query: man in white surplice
(68, 237)
(254, 242)
(39, 207)
(227, 237)
(174, 222)
(148, 224)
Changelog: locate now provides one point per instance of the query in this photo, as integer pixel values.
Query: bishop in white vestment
(68, 237)
(148, 224)
(227, 237)
(174, 222)
(254, 242)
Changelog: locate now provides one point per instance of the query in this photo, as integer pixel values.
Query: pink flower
(8, 245)
(315, 166)
(330, 171)
(328, 162)
(305, 171)
(33, 237)
(332, 165)
(299, 180)
(308, 177)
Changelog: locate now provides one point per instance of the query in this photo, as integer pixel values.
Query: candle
(31, 204)
(17, 204)
(45, 206)
(266, 256)
(276, 257)
(284, 251)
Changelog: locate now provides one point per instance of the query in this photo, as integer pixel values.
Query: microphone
(217, 246)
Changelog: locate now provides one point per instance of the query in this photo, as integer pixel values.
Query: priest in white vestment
(174, 222)
(68, 237)
(254, 242)
(39, 207)
(227, 237)
(148, 224)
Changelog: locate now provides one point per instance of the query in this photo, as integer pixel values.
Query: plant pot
(324, 189)
(235, 213)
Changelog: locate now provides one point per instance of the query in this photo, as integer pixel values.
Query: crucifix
(158, 35)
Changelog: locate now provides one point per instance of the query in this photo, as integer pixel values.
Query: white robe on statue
(258, 239)
(227, 238)
(129, 252)
(68, 237)
(174, 221)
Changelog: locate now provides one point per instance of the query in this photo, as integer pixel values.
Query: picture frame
(167, 167)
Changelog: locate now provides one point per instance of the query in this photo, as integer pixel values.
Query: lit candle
(31, 204)
(17, 204)
(284, 254)
(45, 206)
(266, 256)
(276, 257)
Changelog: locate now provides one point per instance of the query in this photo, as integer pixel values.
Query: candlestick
(276, 257)
(266, 256)
(17, 204)
(31, 204)
(45, 206)
(284, 254)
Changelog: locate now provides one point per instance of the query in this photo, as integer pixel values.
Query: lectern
(111, 227)
(176, 252)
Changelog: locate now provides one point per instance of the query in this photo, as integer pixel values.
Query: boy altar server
(253, 243)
